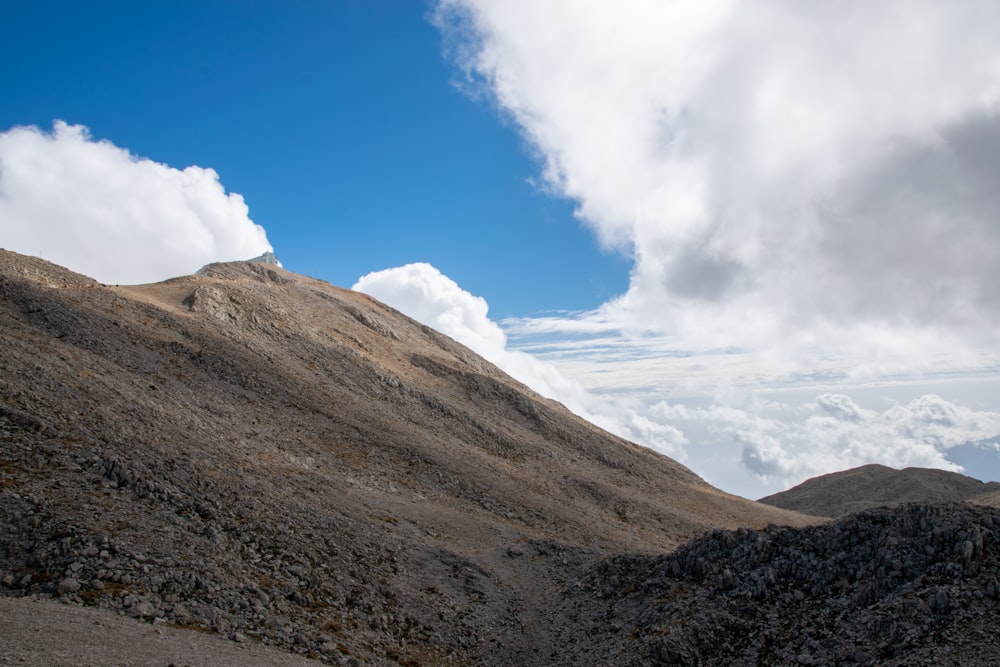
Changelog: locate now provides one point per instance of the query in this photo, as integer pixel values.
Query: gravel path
(45, 632)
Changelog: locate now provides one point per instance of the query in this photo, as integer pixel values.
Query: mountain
(262, 455)
(841, 493)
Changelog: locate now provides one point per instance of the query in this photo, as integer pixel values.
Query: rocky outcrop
(915, 585)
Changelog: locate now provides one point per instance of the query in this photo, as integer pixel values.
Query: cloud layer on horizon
(787, 443)
(101, 211)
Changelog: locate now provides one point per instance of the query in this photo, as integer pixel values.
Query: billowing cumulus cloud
(101, 211)
(422, 292)
(807, 192)
(815, 166)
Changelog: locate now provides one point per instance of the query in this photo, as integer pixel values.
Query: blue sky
(337, 121)
(758, 237)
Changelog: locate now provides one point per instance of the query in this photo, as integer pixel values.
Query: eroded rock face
(915, 585)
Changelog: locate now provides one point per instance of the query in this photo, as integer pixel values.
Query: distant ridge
(842, 493)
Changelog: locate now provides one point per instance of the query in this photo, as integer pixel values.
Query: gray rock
(942, 603)
(68, 585)
(144, 610)
(180, 614)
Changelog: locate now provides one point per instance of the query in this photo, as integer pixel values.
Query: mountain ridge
(264, 455)
(869, 486)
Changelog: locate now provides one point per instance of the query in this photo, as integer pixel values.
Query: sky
(758, 237)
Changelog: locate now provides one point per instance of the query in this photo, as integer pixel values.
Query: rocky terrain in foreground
(262, 457)
(870, 486)
(913, 585)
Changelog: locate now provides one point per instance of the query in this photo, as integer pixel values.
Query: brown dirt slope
(262, 455)
(869, 486)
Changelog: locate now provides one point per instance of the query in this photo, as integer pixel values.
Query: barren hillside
(869, 486)
(262, 455)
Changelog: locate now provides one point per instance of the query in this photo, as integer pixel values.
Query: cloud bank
(101, 211)
(777, 170)
(786, 443)
(807, 192)
(422, 292)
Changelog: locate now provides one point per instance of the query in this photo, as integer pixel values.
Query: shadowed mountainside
(841, 493)
(912, 586)
(260, 454)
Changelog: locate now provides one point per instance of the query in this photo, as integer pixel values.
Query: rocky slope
(77, 636)
(264, 456)
(918, 585)
(841, 493)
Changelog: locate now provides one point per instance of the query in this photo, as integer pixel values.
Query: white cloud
(99, 210)
(808, 193)
(783, 444)
(422, 292)
(777, 169)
